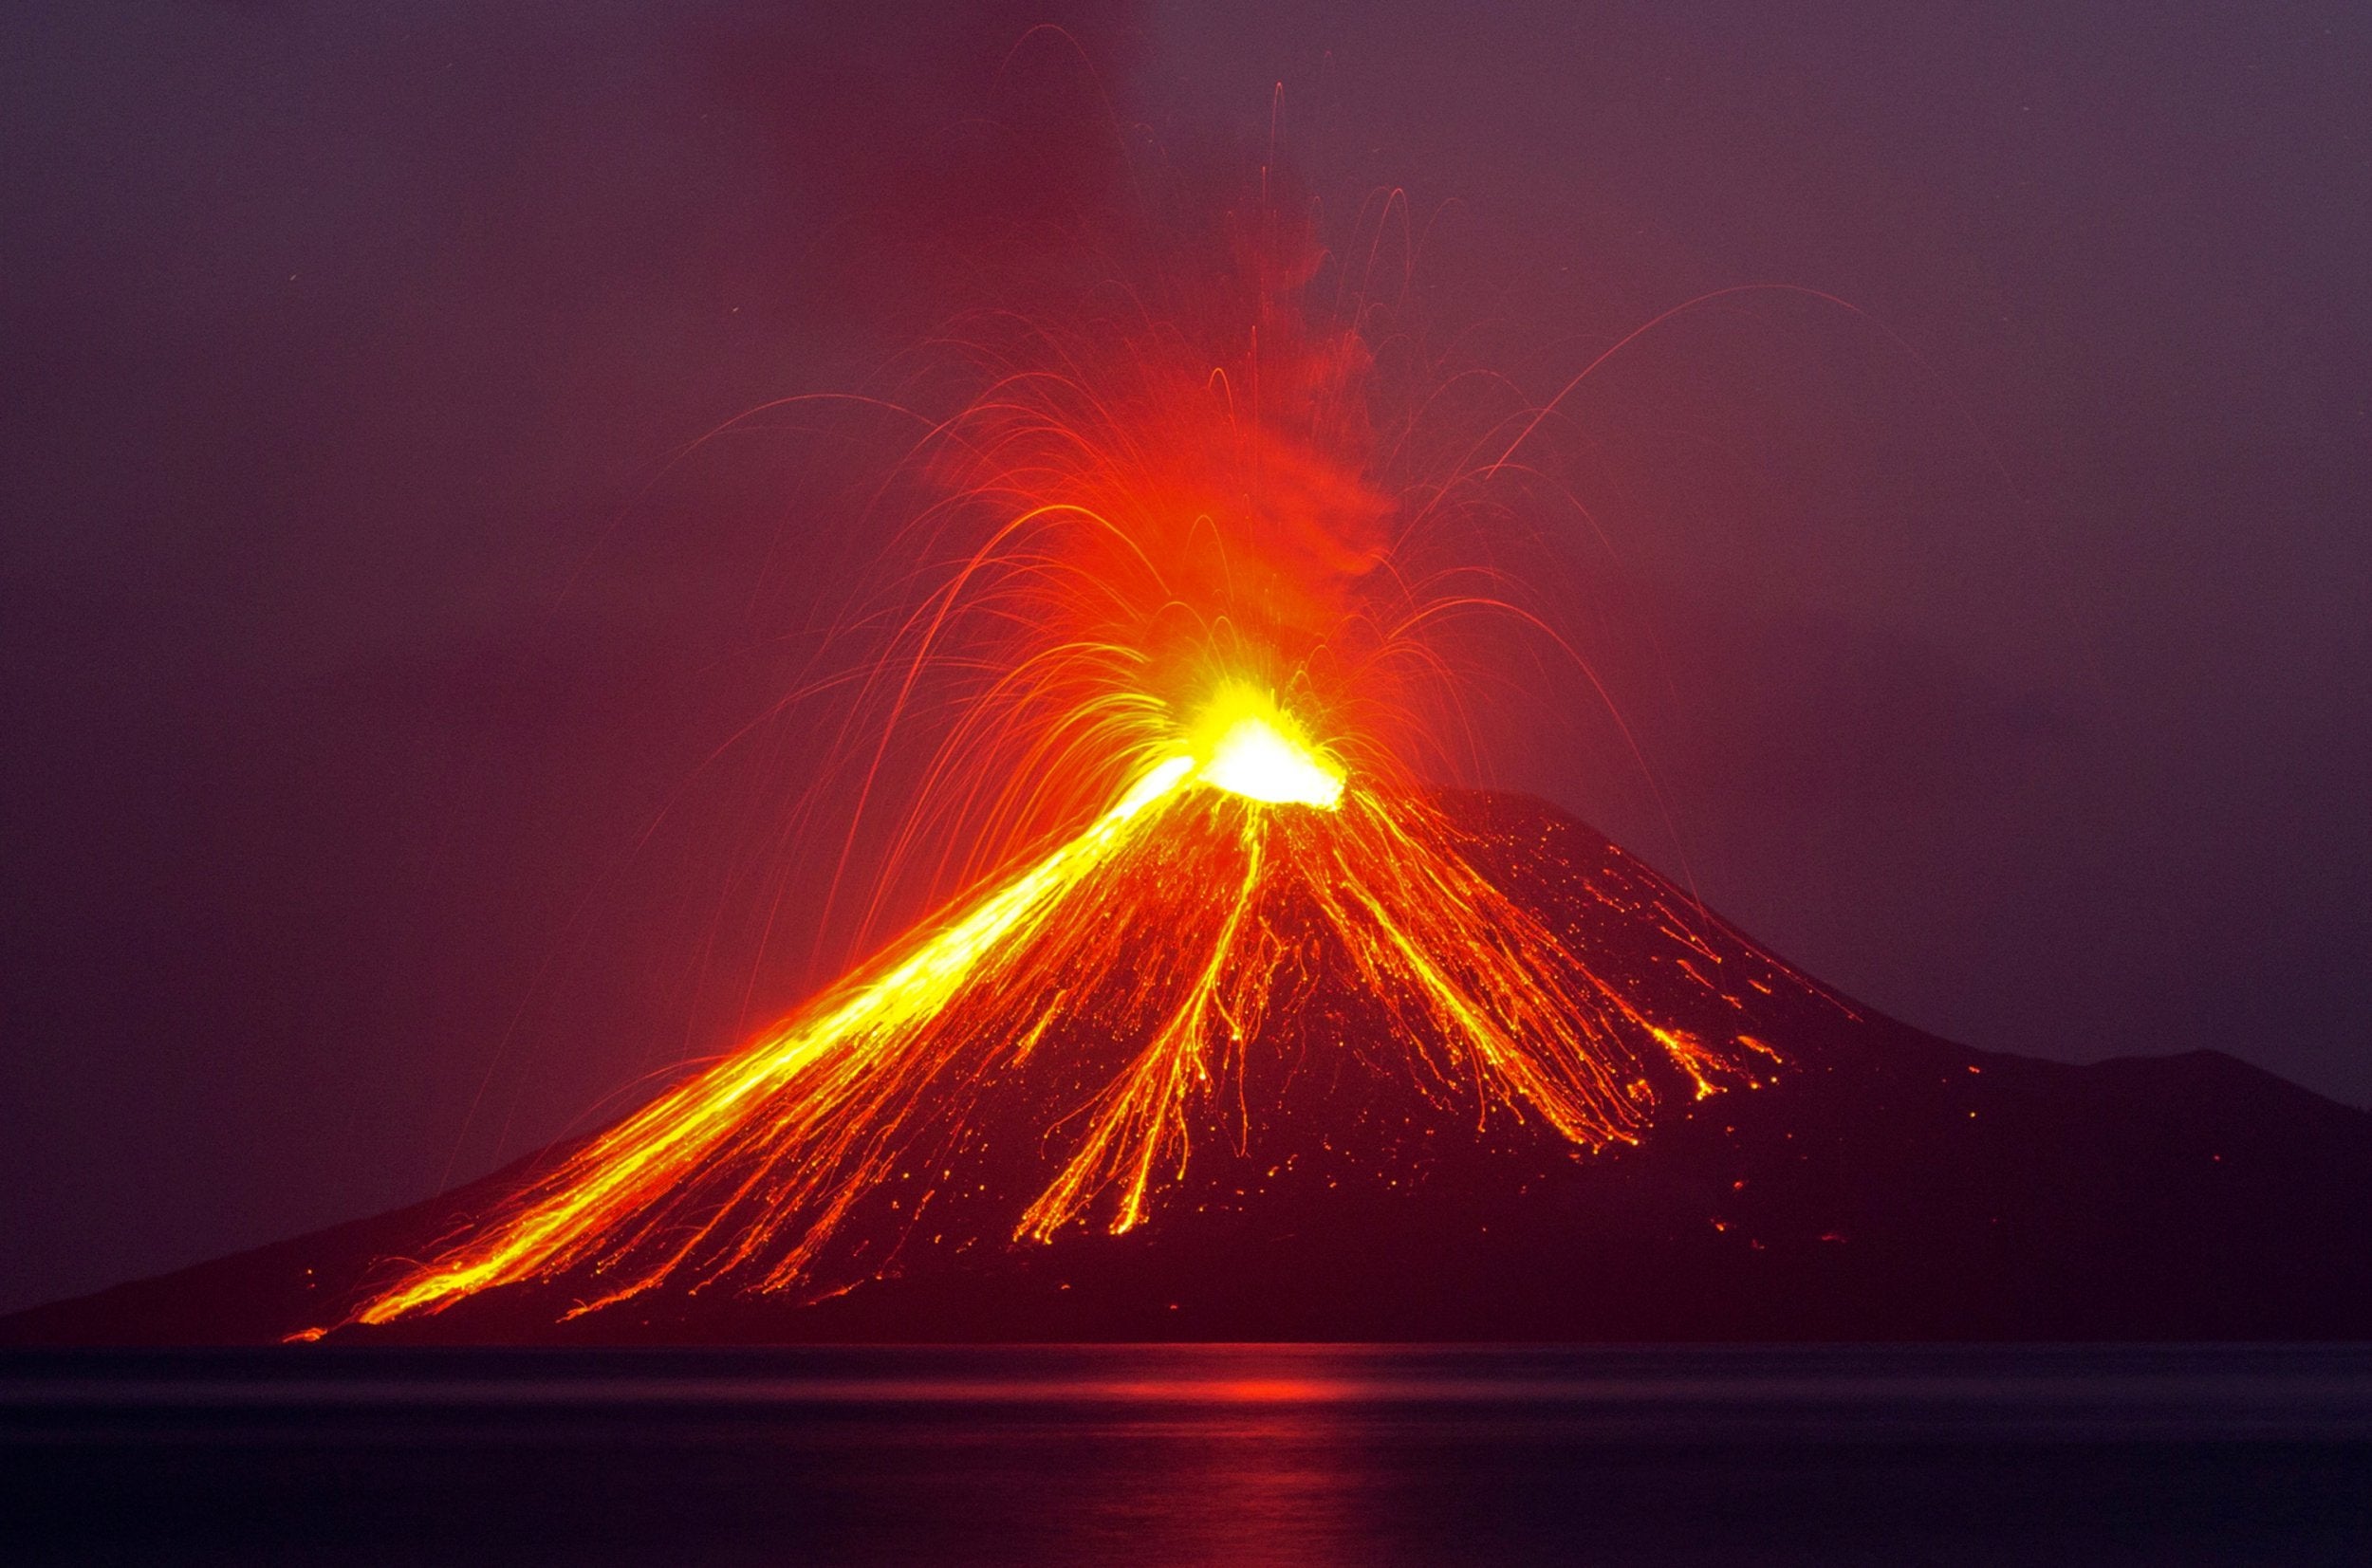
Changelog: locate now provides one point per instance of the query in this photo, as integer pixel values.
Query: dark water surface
(1146, 1456)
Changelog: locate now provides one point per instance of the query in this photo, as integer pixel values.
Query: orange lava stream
(1172, 902)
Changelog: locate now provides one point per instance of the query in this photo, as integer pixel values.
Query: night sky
(1996, 638)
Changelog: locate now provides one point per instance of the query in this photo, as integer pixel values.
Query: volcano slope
(1875, 1183)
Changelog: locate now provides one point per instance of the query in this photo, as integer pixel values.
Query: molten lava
(1254, 749)
(1174, 927)
(1169, 594)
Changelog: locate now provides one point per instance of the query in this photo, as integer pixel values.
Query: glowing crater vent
(1248, 746)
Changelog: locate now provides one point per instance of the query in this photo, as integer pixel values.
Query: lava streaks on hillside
(1180, 618)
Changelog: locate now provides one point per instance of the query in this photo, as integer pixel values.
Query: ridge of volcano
(1866, 1181)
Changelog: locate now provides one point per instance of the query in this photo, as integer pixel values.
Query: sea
(1143, 1455)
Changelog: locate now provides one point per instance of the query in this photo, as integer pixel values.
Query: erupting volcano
(1234, 1019)
(1202, 599)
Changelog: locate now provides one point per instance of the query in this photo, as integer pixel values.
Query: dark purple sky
(2000, 650)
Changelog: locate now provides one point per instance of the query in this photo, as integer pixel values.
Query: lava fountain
(1180, 625)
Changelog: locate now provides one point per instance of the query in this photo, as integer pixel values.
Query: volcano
(1756, 1158)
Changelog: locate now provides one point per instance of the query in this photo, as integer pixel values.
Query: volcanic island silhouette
(1255, 1035)
(1703, 1144)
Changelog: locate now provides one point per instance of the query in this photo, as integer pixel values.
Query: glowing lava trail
(752, 1164)
(1177, 597)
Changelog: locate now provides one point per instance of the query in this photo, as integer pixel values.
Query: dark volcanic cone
(1883, 1184)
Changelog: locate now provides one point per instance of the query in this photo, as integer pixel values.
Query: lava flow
(1188, 605)
(1168, 924)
